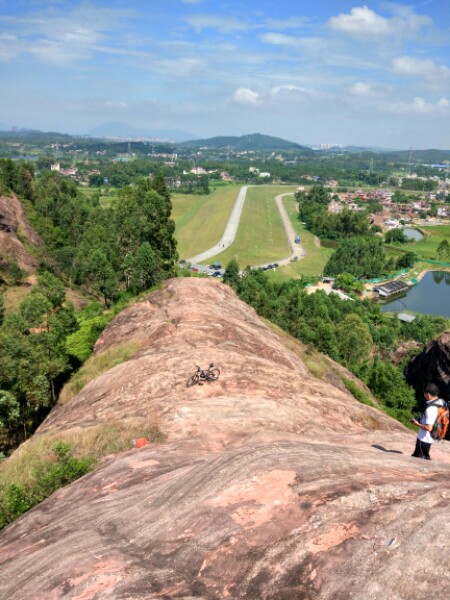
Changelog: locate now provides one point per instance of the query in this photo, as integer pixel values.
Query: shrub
(48, 476)
(357, 392)
(80, 343)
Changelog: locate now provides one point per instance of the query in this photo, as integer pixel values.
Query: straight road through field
(296, 250)
(229, 234)
(291, 234)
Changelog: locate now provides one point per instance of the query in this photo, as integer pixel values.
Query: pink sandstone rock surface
(272, 484)
(13, 221)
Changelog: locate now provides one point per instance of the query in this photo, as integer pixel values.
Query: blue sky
(328, 71)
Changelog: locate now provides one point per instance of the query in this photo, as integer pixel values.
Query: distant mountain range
(121, 130)
(254, 141)
(430, 156)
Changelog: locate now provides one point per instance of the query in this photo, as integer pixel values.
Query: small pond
(412, 234)
(431, 296)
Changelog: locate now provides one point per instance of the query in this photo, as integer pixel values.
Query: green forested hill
(430, 156)
(254, 141)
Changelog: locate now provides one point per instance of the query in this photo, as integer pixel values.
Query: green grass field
(427, 248)
(106, 195)
(260, 237)
(201, 220)
(316, 257)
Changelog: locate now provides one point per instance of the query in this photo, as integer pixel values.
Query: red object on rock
(140, 442)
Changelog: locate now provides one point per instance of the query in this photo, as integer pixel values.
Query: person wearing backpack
(431, 425)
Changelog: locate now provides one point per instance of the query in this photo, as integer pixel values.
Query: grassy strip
(47, 462)
(14, 295)
(48, 476)
(315, 257)
(95, 366)
(106, 196)
(434, 235)
(201, 219)
(260, 237)
(357, 392)
(93, 442)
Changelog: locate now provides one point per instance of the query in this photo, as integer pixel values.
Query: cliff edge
(13, 224)
(272, 484)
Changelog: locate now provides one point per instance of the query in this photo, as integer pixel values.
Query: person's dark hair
(432, 389)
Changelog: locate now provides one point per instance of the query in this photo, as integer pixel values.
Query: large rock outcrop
(13, 221)
(432, 366)
(272, 484)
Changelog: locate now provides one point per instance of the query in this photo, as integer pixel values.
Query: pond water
(431, 296)
(412, 234)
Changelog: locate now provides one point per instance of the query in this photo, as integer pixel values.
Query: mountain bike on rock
(201, 375)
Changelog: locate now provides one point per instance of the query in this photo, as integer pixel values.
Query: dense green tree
(231, 275)
(51, 287)
(96, 180)
(396, 236)
(407, 260)
(145, 271)
(35, 310)
(9, 416)
(443, 249)
(344, 281)
(362, 257)
(353, 337)
(388, 384)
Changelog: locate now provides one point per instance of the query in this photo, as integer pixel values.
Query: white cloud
(362, 23)
(246, 96)
(361, 89)
(62, 37)
(296, 91)
(419, 106)
(281, 39)
(408, 65)
(10, 47)
(55, 53)
(221, 24)
(290, 23)
(111, 104)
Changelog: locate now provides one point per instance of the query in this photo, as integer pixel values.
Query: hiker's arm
(425, 427)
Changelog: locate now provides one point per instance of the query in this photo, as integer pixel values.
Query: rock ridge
(13, 221)
(271, 485)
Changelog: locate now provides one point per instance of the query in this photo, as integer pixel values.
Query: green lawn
(316, 257)
(106, 195)
(427, 248)
(201, 220)
(260, 237)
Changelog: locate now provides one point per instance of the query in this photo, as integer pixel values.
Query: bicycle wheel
(193, 380)
(213, 374)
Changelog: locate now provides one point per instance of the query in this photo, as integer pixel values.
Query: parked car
(194, 269)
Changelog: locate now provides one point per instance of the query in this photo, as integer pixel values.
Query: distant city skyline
(365, 74)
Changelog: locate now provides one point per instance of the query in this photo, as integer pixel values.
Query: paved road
(295, 249)
(229, 234)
